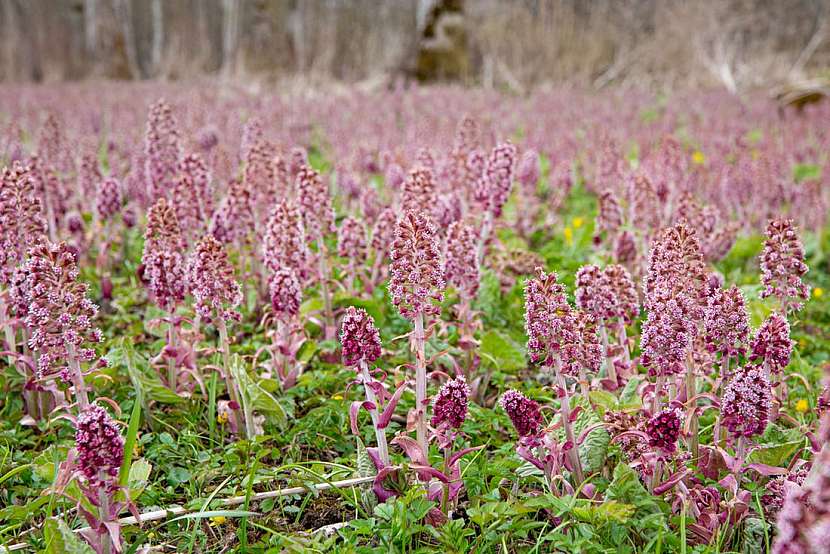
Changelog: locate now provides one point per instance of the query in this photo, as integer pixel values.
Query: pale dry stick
(232, 501)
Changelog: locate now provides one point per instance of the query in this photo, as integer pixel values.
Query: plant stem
(485, 236)
(658, 392)
(565, 407)
(622, 337)
(230, 383)
(77, 379)
(691, 391)
(104, 502)
(418, 340)
(328, 316)
(11, 344)
(380, 434)
(172, 339)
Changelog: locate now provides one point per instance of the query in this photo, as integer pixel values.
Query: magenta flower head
(625, 302)
(100, 446)
(668, 331)
(449, 408)
(591, 295)
(663, 429)
(351, 241)
(528, 172)
(284, 244)
(726, 322)
(676, 264)
(286, 294)
(315, 203)
(782, 264)
(192, 198)
(549, 319)
(625, 248)
(586, 352)
(22, 224)
(394, 176)
(416, 280)
(162, 150)
(772, 343)
(298, 160)
(746, 402)
(493, 188)
(461, 263)
(58, 313)
(419, 191)
(523, 413)
(212, 283)
(108, 199)
(163, 259)
(89, 175)
(610, 215)
(359, 338)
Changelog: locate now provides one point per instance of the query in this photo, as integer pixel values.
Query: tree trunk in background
(124, 13)
(443, 53)
(90, 27)
(27, 37)
(158, 37)
(230, 36)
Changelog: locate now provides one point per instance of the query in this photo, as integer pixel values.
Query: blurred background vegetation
(507, 44)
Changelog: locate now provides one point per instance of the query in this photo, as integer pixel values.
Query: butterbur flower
(804, 519)
(298, 160)
(676, 265)
(448, 209)
(772, 343)
(668, 332)
(21, 219)
(746, 402)
(528, 172)
(625, 302)
(237, 212)
(726, 322)
(460, 262)
(663, 429)
(549, 319)
(493, 188)
(523, 413)
(192, 198)
(284, 244)
(394, 176)
(383, 231)
(212, 283)
(89, 175)
(449, 408)
(419, 191)
(100, 446)
(591, 295)
(782, 264)
(416, 281)
(163, 258)
(162, 150)
(359, 338)
(610, 215)
(625, 248)
(286, 294)
(315, 203)
(585, 353)
(108, 199)
(58, 314)
(351, 241)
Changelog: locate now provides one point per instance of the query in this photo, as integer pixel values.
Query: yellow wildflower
(578, 221)
(218, 520)
(698, 157)
(818, 292)
(222, 418)
(802, 406)
(337, 396)
(569, 236)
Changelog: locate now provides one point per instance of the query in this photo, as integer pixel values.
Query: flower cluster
(586, 352)
(100, 446)
(359, 337)
(726, 322)
(610, 215)
(383, 231)
(523, 413)
(460, 261)
(663, 429)
(212, 283)
(163, 259)
(162, 150)
(21, 218)
(89, 175)
(772, 343)
(804, 519)
(351, 241)
(284, 242)
(315, 203)
(286, 294)
(419, 191)
(676, 263)
(493, 187)
(449, 408)
(668, 332)
(108, 200)
(528, 172)
(416, 281)
(549, 319)
(746, 402)
(58, 313)
(191, 197)
(782, 264)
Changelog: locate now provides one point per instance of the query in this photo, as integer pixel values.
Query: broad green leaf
(60, 539)
(139, 477)
(629, 397)
(373, 307)
(124, 473)
(806, 172)
(501, 352)
(627, 488)
(609, 511)
(774, 454)
(258, 398)
(603, 400)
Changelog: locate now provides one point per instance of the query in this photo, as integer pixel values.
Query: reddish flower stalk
(360, 340)
(552, 331)
(286, 297)
(416, 283)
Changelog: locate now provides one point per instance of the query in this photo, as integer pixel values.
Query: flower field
(412, 320)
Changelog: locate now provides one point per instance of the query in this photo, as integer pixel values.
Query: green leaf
(610, 511)
(129, 444)
(372, 306)
(774, 454)
(178, 475)
(594, 449)
(306, 351)
(147, 383)
(629, 397)
(806, 172)
(139, 477)
(499, 351)
(60, 539)
(626, 488)
(603, 400)
(259, 399)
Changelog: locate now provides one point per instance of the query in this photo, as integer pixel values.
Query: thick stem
(691, 392)
(486, 228)
(565, 407)
(658, 392)
(741, 449)
(172, 370)
(380, 434)
(328, 316)
(11, 343)
(622, 337)
(104, 502)
(77, 376)
(583, 383)
(420, 383)
(230, 383)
